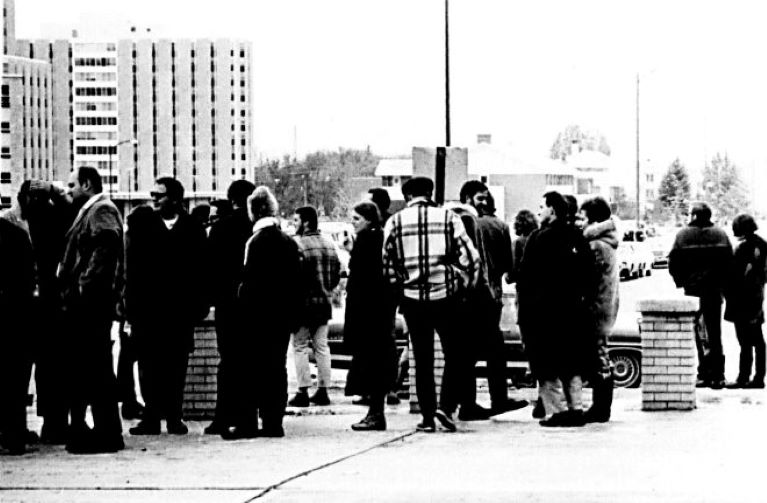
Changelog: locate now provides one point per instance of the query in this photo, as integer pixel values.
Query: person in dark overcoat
(17, 283)
(165, 297)
(554, 278)
(227, 253)
(368, 322)
(90, 278)
(271, 298)
(744, 294)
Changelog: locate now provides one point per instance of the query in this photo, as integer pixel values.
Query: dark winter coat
(166, 272)
(498, 255)
(227, 255)
(700, 259)
(271, 292)
(369, 316)
(745, 285)
(556, 276)
(17, 277)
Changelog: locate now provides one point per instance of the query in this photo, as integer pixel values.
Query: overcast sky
(351, 73)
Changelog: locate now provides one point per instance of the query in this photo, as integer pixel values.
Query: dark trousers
(751, 342)
(423, 318)
(15, 371)
(259, 365)
(483, 334)
(162, 363)
(93, 378)
(228, 330)
(126, 384)
(709, 341)
(52, 366)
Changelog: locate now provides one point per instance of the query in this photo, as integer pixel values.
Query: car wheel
(648, 271)
(627, 370)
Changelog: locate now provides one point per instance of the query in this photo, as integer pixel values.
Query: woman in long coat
(745, 296)
(370, 316)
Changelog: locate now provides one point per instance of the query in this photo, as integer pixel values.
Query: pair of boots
(302, 398)
(602, 400)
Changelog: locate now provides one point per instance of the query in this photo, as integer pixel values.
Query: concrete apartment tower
(139, 107)
(26, 139)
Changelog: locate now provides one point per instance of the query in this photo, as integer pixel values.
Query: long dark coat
(166, 274)
(369, 317)
(745, 285)
(556, 275)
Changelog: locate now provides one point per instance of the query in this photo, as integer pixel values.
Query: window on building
(5, 177)
(5, 127)
(5, 152)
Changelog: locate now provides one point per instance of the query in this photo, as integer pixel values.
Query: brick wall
(668, 353)
(200, 389)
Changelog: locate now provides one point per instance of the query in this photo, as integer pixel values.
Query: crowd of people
(70, 268)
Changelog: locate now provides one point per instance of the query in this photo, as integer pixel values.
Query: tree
(586, 140)
(318, 180)
(674, 192)
(723, 189)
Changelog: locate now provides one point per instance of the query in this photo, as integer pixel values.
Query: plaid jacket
(427, 254)
(321, 273)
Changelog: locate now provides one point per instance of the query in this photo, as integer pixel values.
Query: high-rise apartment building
(26, 140)
(138, 108)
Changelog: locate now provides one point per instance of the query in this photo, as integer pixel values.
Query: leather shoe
(299, 400)
(539, 412)
(214, 428)
(718, 384)
(392, 398)
(91, 444)
(426, 427)
(473, 412)
(565, 419)
(320, 397)
(239, 432)
(445, 419)
(594, 415)
(371, 422)
(146, 428)
(271, 432)
(176, 427)
(736, 385)
(754, 385)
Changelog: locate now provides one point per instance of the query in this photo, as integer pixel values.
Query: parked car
(660, 247)
(624, 346)
(634, 259)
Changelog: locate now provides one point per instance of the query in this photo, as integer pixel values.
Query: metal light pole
(447, 74)
(637, 170)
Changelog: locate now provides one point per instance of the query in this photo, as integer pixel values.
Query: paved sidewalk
(711, 454)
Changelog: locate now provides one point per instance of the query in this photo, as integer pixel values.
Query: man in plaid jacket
(430, 262)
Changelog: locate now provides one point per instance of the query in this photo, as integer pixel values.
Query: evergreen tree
(723, 189)
(674, 192)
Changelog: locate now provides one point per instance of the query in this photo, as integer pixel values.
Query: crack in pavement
(308, 472)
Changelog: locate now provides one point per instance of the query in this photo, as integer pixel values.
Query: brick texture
(200, 389)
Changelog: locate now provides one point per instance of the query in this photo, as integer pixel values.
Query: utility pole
(639, 211)
(447, 74)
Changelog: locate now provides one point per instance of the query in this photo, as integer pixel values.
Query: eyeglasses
(158, 195)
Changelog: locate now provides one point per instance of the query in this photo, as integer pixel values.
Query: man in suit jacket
(165, 297)
(89, 275)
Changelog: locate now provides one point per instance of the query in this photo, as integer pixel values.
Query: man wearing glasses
(165, 296)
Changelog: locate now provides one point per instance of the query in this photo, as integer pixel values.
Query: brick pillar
(439, 366)
(201, 373)
(668, 353)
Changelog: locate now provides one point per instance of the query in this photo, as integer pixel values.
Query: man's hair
(744, 225)
(418, 186)
(557, 202)
(470, 189)
(308, 215)
(596, 209)
(572, 208)
(91, 175)
(525, 223)
(380, 197)
(701, 212)
(262, 203)
(174, 188)
(238, 192)
(369, 211)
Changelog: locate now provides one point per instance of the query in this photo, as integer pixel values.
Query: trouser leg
(176, 379)
(13, 396)
(574, 392)
(126, 384)
(273, 378)
(745, 335)
(322, 355)
(103, 396)
(422, 339)
(701, 346)
(759, 352)
(496, 358)
(711, 306)
(301, 357)
(458, 377)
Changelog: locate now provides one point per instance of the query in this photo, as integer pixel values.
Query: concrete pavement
(711, 454)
